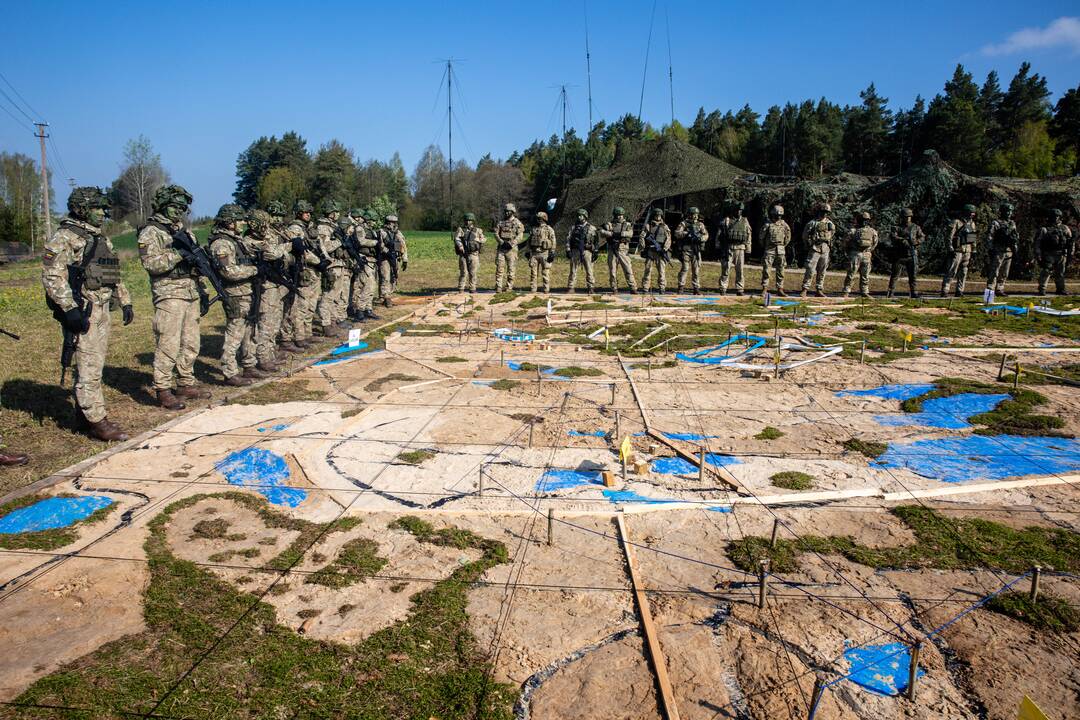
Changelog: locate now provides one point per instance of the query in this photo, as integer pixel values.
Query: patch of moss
(504, 384)
(46, 539)
(358, 560)
(1010, 417)
(792, 480)
(1048, 613)
(380, 383)
(450, 359)
(278, 392)
(414, 457)
(503, 297)
(532, 367)
(351, 412)
(573, 371)
(534, 302)
(769, 433)
(210, 529)
(870, 448)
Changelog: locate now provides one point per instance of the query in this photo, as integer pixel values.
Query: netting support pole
(1036, 575)
(763, 582)
(913, 670)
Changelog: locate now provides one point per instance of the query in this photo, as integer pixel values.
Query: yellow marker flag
(625, 449)
(907, 336)
(1030, 711)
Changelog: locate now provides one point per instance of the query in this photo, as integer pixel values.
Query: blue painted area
(52, 513)
(696, 300)
(950, 413)
(511, 336)
(566, 479)
(811, 319)
(630, 496)
(594, 433)
(347, 356)
(702, 357)
(273, 428)
(785, 303)
(687, 436)
(483, 383)
(902, 391)
(1009, 309)
(881, 669)
(679, 466)
(347, 349)
(981, 457)
(263, 471)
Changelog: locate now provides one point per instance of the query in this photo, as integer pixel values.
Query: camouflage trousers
(539, 270)
(364, 282)
(911, 263)
(271, 311)
(89, 362)
(581, 260)
(774, 261)
(468, 266)
(297, 324)
(239, 336)
(653, 261)
(858, 262)
(1053, 264)
(176, 342)
(387, 286)
(958, 268)
(732, 257)
(998, 272)
(505, 267)
(689, 263)
(334, 302)
(618, 256)
(816, 265)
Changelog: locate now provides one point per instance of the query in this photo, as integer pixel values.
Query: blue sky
(203, 79)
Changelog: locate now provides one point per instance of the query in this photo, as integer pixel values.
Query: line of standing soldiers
(273, 277)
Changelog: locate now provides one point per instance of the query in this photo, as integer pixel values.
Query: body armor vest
(864, 238)
(1055, 239)
(967, 234)
(100, 265)
(738, 232)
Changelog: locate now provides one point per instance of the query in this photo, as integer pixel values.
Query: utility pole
(71, 183)
(41, 135)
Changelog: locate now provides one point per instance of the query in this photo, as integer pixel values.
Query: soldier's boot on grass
(169, 401)
(10, 458)
(912, 292)
(191, 392)
(370, 315)
(269, 367)
(290, 347)
(255, 373)
(238, 380)
(105, 430)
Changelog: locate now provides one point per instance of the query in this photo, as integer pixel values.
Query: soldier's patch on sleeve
(48, 258)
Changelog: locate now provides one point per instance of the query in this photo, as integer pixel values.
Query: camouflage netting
(674, 175)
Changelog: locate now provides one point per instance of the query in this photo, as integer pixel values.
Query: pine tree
(954, 124)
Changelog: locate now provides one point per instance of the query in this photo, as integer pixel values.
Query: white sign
(354, 337)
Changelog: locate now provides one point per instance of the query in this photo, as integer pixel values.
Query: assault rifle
(196, 256)
(348, 241)
(76, 278)
(388, 251)
(657, 247)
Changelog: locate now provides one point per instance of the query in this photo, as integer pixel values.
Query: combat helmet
(369, 214)
(391, 218)
(969, 209)
(864, 216)
(1057, 213)
(776, 211)
(618, 211)
(356, 213)
(259, 220)
(1007, 207)
(907, 212)
(276, 208)
(329, 205)
(826, 208)
(583, 213)
(657, 213)
(302, 206)
(86, 198)
(170, 195)
(468, 216)
(229, 212)
(542, 216)
(510, 208)
(693, 211)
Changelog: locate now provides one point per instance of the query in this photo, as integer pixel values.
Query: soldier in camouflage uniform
(273, 250)
(540, 252)
(775, 236)
(366, 280)
(509, 232)
(861, 241)
(79, 245)
(818, 235)
(904, 252)
(1004, 240)
(335, 282)
(468, 241)
(581, 246)
(393, 256)
(691, 235)
(617, 234)
(297, 325)
(175, 288)
(1054, 248)
(655, 242)
(236, 267)
(733, 241)
(962, 236)
(353, 226)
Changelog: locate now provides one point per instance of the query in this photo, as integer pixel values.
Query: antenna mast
(670, 77)
(588, 67)
(450, 131)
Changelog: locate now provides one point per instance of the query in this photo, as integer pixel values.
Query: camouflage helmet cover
(302, 206)
(542, 216)
(469, 216)
(328, 206)
(1007, 207)
(777, 210)
(693, 211)
(826, 207)
(275, 207)
(618, 211)
(907, 212)
(1056, 213)
(369, 214)
(170, 195)
(391, 218)
(229, 212)
(864, 215)
(259, 219)
(87, 198)
(969, 208)
(582, 213)
(657, 213)
(510, 208)
(356, 212)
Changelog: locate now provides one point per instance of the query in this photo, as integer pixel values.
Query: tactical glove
(551, 256)
(404, 265)
(128, 313)
(298, 246)
(204, 302)
(76, 321)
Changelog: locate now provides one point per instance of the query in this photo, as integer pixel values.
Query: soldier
(297, 325)
(393, 255)
(733, 242)
(904, 252)
(775, 236)
(655, 242)
(962, 236)
(1053, 250)
(176, 291)
(236, 267)
(366, 280)
(861, 241)
(581, 246)
(79, 252)
(540, 252)
(354, 229)
(691, 235)
(818, 235)
(617, 234)
(468, 241)
(1004, 240)
(509, 232)
(273, 253)
(335, 281)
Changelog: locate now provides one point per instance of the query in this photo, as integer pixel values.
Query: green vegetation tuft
(870, 448)
(449, 537)
(503, 297)
(1010, 417)
(46, 539)
(278, 392)
(450, 359)
(210, 529)
(534, 302)
(358, 560)
(414, 457)
(792, 480)
(380, 383)
(573, 371)
(532, 367)
(1048, 613)
(504, 384)
(769, 433)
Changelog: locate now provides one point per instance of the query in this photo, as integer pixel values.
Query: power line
(19, 122)
(19, 95)
(16, 106)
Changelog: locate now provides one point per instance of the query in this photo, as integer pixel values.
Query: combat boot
(803, 293)
(305, 343)
(237, 381)
(387, 302)
(169, 401)
(723, 291)
(370, 315)
(10, 458)
(105, 430)
(191, 391)
(1002, 293)
(290, 347)
(739, 293)
(820, 293)
(269, 367)
(780, 292)
(255, 373)
(889, 294)
(695, 291)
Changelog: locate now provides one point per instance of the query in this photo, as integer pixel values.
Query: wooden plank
(652, 639)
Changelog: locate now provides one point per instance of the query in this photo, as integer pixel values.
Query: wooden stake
(551, 526)
(612, 393)
(539, 380)
(862, 353)
(502, 357)
(1036, 575)
(480, 483)
(763, 582)
(618, 428)
(532, 426)
(913, 670)
(1016, 377)
(701, 466)
(1001, 369)
(775, 530)
(815, 698)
